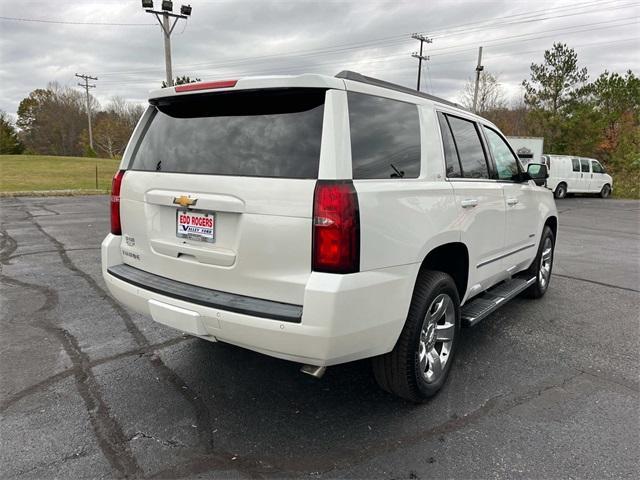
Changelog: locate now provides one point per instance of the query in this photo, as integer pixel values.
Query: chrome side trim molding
(505, 255)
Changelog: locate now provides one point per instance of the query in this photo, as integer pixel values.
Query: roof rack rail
(358, 77)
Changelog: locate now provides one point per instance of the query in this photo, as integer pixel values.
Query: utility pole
(479, 69)
(419, 56)
(86, 87)
(167, 28)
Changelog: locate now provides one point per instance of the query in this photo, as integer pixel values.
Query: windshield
(266, 133)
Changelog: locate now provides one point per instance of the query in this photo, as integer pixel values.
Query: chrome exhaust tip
(314, 371)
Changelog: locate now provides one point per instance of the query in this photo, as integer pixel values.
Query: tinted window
(450, 154)
(597, 168)
(585, 164)
(272, 133)
(384, 134)
(506, 162)
(576, 164)
(469, 146)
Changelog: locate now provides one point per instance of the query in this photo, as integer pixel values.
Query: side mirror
(538, 173)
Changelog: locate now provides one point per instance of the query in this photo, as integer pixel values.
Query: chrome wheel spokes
(436, 337)
(545, 263)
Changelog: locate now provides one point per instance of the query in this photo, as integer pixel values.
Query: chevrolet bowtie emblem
(185, 201)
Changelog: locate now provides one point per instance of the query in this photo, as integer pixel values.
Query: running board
(488, 302)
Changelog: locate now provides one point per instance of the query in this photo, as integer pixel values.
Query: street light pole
(167, 28)
(167, 47)
(479, 69)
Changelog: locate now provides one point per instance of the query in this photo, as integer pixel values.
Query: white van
(568, 174)
(326, 219)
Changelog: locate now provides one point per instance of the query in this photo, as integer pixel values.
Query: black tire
(561, 191)
(606, 191)
(539, 288)
(399, 371)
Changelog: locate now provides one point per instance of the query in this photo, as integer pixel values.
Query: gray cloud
(229, 39)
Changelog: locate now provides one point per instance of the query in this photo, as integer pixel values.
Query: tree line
(53, 121)
(598, 119)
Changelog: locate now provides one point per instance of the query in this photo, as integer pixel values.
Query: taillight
(116, 228)
(336, 227)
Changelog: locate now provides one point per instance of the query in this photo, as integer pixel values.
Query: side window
(450, 154)
(385, 137)
(596, 167)
(506, 162)
(469, 146)
(576, 164)
(584, 164)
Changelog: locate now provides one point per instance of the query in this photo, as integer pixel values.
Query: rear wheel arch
(452, 259)
(552, 223)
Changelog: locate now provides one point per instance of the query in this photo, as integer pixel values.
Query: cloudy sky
(119, 43)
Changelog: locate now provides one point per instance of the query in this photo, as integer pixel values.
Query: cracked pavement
(544, 389)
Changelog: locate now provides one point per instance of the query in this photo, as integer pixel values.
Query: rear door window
(449, 146)
(266, 133)
(584, 164)
(385, 137)
(575, 163)
(469, 147)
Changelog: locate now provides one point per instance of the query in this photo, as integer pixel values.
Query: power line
(385, 61)
(550, 14)
(63, 22)
(385, 42)
(447, 51)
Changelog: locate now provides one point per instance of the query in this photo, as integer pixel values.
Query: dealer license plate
(199, 226)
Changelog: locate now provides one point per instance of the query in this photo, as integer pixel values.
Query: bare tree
(114, 126)
(490, 94)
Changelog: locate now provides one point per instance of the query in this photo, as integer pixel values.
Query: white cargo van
(326, 219)
(569, 174)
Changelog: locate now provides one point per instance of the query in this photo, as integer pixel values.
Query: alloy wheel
(545, 263)
(436, 338)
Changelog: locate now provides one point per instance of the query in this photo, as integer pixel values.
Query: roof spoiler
(358, 77)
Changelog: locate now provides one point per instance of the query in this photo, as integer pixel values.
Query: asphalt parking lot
(546, 388)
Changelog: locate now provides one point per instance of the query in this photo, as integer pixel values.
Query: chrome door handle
(512, 201)
(469, 203)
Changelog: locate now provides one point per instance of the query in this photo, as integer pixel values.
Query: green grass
(34, 173)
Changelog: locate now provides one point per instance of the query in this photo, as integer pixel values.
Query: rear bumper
(343, 318)
(206, 297)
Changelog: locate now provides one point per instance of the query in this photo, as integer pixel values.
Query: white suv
(325, 219)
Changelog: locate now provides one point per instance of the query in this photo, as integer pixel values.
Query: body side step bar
(486, 303)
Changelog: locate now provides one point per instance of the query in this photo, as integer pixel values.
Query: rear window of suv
(266, 133)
